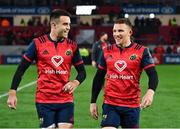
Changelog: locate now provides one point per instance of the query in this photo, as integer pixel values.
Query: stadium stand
(18, 30)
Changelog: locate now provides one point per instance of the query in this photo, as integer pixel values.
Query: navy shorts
(52, 114)
(115, 116)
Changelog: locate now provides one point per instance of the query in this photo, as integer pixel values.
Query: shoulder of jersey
(97, 42)
(69, 41)
(109, 47)
(41, 39)
(137, 46)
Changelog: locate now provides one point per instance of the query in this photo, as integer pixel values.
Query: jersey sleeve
(94, 48)
(31, 52)
(147, 60)
(77, 59)
(102, 62)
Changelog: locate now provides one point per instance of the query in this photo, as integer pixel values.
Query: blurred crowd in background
(160, 32)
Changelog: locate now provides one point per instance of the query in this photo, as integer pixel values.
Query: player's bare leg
(108, 128)
(65, 126)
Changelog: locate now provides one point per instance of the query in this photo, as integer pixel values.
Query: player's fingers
(145, 104)
(12, 105)
(72, 89)
(95, 117)
(15, 103)
(66, 85)
(9, 102)
(9, 105)
(148, 103)
(65, 88)
(94, 113)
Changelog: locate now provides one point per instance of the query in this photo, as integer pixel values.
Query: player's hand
(147, 99)
(93, 63)
(94, 110)
(12, 99)
(70, 86)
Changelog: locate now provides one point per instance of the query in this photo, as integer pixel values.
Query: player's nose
(68, 27)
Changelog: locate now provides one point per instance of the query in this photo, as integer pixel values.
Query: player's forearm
(81, 73)
(97, 84)
(153, 78)
(93, 56)
(19, 73)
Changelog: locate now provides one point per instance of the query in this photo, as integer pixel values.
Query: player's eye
(120, 30)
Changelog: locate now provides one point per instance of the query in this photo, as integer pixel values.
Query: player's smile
(65, 33)
(118, 39)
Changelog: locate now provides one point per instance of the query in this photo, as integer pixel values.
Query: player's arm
(153, 78)
(97, 86)
(93, 55)
(22, 67)
(81, 73)
(148, 64)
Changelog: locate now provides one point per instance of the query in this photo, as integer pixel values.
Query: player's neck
(127, 44)
(53, 36)
(56, 37)
(124, 45)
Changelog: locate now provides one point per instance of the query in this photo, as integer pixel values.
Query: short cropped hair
(124, 21)
(56, 13)
(102, 34)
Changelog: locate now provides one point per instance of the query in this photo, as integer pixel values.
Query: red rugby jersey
(53, 66)
(124, 68)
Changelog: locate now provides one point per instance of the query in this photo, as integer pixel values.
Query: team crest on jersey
(120, 65)
(133, 57)
(68, 52)
(57, 60)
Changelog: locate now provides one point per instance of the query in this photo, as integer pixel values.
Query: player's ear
(131, 32)
(53, 24)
